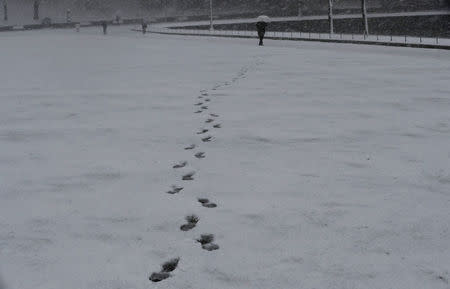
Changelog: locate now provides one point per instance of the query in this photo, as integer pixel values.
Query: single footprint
(192, 221)
(200, 155)
(210, 247)
(203, 200)
(191, 147)
(210, 205)
(203, 131)
(158, 277)
(199, 111)
(175, 190)
(167, 267)
(209, 120)
(200, 97)
(207, 99)
(217, 125)
(180, 165)
(207, 139)
(188, 176)
(204, 107)
(214, 115)
(206, 241)
(199, 103)
(204, 93)
(206, 203)
(170, 265)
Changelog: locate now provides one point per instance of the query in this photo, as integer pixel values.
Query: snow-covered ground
(331, 168)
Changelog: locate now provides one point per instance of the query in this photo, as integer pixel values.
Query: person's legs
(261, 38)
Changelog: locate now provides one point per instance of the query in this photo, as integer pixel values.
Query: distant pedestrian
(261, 27)
(118, 18)
(105, 27)
(261, 24)
(144, 27)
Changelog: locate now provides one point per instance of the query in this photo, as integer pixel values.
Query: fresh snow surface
(331, 168)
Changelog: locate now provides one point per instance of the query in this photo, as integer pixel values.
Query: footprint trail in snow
(207, 241)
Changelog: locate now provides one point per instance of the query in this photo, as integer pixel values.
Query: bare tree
(36, 9)
(330, 15)
(5, 10)
(364, 17)
(301, 7)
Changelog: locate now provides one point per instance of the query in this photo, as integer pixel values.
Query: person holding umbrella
(261, 24)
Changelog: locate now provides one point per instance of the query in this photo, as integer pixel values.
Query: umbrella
(263, 18)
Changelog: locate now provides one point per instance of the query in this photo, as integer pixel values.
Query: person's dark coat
(261, 28)
(144, 27)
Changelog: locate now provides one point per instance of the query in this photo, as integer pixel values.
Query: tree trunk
(364, 17)
(330, 15)
(5, 11)
(36, 10)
